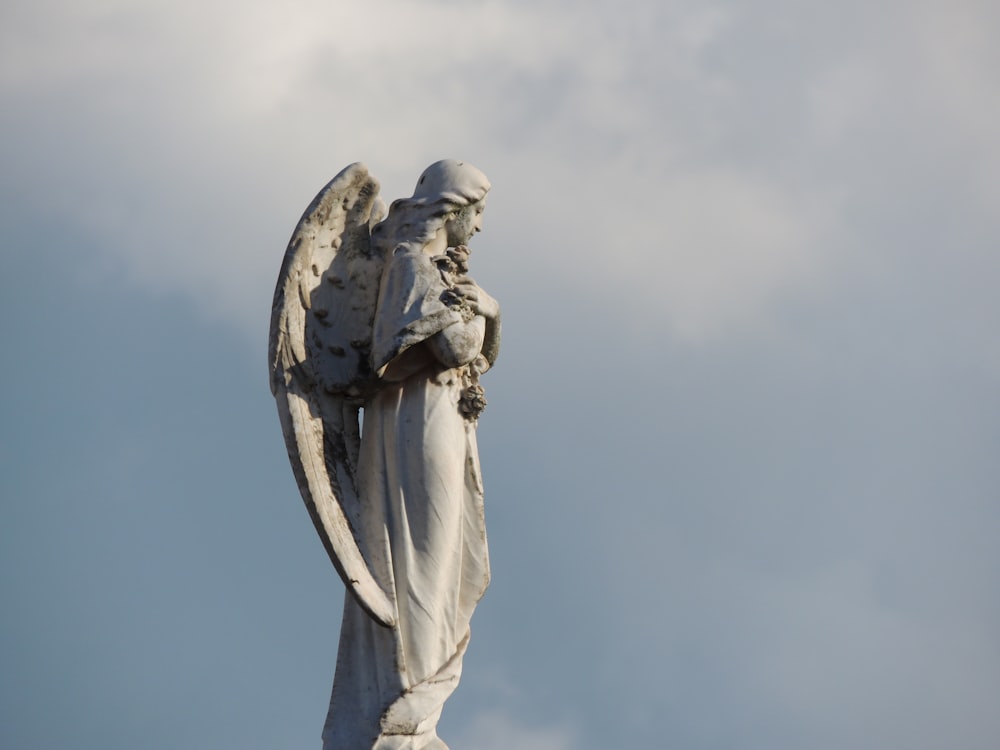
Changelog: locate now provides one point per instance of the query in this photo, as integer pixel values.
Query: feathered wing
(319, 355)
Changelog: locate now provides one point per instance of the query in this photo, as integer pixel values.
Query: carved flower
(453, 262)
(446, 264)
(472, 402)
(452, 297)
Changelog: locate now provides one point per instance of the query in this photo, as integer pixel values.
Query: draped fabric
(421, 528)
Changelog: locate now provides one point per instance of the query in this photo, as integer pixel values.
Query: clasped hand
(480, 302)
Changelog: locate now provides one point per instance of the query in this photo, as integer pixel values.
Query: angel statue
(378, 318)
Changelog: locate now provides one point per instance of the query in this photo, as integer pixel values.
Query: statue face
(463, 225)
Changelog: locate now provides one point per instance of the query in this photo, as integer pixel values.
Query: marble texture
(376, 318)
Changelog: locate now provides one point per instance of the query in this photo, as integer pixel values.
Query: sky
(741, 446)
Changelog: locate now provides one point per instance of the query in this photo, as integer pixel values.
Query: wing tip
(376, 604)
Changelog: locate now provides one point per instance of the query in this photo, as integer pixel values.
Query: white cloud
(708, 248)
(624, 142)
(956, 59)
(843, 97)
(220, 121)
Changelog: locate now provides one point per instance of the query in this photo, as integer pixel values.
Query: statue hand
(460, 257)
(481, 303)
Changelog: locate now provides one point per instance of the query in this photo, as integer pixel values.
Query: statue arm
(491, 342)
(487, 307)
(460, 343)
(413, 326)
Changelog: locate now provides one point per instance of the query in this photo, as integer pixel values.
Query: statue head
(451, 181)
(449, 194)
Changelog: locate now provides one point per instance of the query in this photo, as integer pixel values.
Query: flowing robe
(420, 525)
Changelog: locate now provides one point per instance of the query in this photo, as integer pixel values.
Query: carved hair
(444, 189)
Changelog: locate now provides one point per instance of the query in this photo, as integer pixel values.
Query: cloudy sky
(741, 453)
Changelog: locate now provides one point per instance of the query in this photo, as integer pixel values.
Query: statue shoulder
(411, 274)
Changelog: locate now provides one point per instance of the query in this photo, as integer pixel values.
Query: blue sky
(740, 452)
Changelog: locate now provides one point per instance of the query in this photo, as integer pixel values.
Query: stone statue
(379, 317)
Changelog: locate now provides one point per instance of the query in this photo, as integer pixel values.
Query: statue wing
(319, 355)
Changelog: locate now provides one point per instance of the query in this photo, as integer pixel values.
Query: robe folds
(420, 526)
